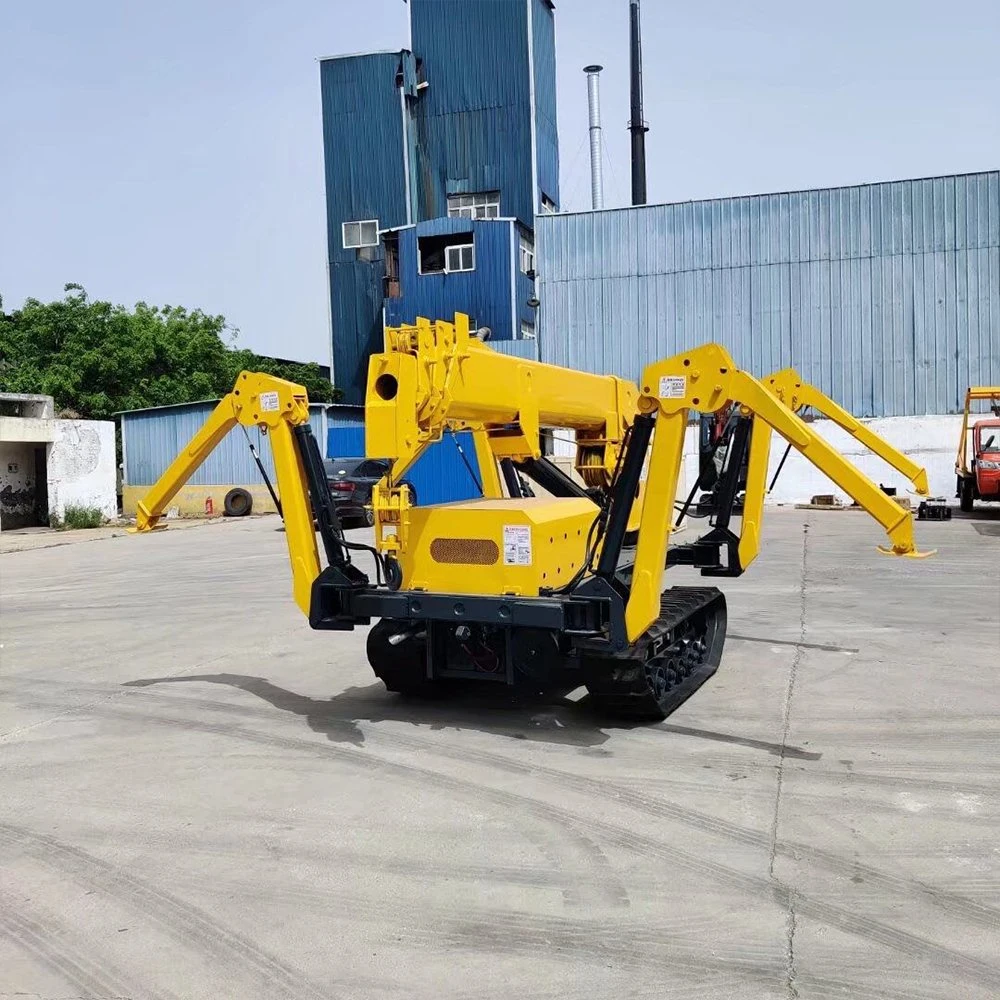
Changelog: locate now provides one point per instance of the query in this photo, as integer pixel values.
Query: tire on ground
(238, 503)
(966, 497)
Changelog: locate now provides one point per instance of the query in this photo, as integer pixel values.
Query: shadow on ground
(546, 719)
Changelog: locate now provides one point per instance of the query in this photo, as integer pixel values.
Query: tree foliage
(96, 358)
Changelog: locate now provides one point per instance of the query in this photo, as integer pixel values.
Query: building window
(527, 330)
(360, 234)
(391, 281)
(460, 258)
(526, 254)
(548, 205)
(484, 205)
(454, 252)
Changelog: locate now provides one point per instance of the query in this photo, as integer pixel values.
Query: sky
(172, 152)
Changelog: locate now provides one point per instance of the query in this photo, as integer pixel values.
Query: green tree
(95, 358)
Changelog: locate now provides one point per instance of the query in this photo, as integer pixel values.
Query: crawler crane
(537, 591)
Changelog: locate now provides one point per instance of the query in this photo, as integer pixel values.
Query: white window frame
(478, 205)
(525, 253)
(548, 205)
(448, 269)
(360, 223)
(527, 330)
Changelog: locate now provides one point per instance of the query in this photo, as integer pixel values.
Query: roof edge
(766, 194)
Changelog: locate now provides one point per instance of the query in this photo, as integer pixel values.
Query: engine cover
(496, 546)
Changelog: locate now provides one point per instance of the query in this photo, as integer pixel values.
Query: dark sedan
(351, 481)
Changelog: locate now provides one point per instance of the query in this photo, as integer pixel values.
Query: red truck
(979, 477)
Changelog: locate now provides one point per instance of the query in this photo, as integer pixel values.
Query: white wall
(33, 429)
(930, 441)
(82, 466)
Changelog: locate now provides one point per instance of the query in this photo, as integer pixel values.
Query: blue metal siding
(356, 311)
(473, 121)
(362, 144)
(887, 296)
(484, 294)
(524, 289)
(543, 43)
(154, 438)
(365, 179)
(517, 348)
(438, 476)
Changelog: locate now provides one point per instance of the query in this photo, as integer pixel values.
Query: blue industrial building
(496, 289)
(438, 160)
(886, 296)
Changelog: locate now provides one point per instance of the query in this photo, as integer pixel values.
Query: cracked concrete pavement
(203, 798)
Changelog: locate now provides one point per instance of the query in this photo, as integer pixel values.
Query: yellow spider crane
(538, 591)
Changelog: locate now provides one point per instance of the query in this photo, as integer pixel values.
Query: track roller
(397, 652)
(668, 663)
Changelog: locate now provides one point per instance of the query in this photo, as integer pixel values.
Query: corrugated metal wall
(362, 144)
(152, 439)
(484, 294)
(365, 179)
(543, 46)
(887, 296)
(473, 121)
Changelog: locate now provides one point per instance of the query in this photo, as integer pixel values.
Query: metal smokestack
(594, 108)
(637, 126)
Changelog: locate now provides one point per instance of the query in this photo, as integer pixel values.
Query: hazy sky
(172, 151)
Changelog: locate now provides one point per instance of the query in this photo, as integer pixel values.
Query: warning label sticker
(269, 401)
(673, 387)
(516, 545)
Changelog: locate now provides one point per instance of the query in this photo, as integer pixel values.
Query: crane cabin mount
(547, 591)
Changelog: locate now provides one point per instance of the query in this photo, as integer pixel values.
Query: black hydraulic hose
(781, 465)
(263, 472)
(461, 451)
(687, 503)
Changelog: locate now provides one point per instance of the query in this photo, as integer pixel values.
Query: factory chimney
(594, 109)
(637, 126)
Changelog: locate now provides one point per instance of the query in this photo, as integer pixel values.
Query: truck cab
(986, 458)
(978, 468)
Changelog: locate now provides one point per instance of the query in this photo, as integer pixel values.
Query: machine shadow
(539, 718)
(546, 719)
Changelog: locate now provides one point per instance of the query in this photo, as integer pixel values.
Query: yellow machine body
(497, 546)
(533, 587)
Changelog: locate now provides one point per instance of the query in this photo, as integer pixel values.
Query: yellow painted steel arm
(276, 406)
(788, 386)
(705, 379)
(435, 376)
(756, 490)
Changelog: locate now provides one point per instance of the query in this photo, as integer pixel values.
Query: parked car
(351, 481)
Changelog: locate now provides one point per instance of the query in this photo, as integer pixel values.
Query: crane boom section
(796, 394)
(705, 380)
(436, 376)
(277, 407)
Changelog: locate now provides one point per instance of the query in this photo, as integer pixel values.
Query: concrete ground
(201, 798)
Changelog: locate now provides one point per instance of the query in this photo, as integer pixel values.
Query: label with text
(673, 387)
(516, 545)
